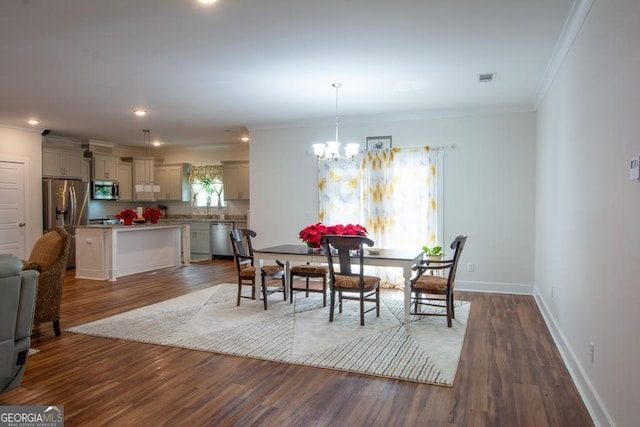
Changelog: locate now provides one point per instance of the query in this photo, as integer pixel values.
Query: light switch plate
(634, 168)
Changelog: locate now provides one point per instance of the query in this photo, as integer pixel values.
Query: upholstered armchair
(49, 256)
(17, 302)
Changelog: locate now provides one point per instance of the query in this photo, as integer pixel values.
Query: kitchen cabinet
(143, 184)
(173, 180)
(61, 163)
(200, 241)
(105, 167)
(236, 180)
(125, 177)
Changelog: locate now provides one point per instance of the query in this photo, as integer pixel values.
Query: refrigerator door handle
(72, 205)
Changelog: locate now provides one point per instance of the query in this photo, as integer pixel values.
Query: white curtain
(393, 193)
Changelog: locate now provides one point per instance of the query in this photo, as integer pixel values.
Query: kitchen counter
(106, 252)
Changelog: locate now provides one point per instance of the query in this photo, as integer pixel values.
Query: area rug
(299, 333)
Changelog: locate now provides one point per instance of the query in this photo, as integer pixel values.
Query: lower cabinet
(200, 241)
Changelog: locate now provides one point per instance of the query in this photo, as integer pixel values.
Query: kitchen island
(106, 252)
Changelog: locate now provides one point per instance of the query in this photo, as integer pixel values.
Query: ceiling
(205, 73)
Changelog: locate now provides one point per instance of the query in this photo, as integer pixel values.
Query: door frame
(28, 228)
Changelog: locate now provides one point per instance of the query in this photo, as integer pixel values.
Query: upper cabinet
(105, 167)
(236, 180)
(125, 178)
(143, 178)
(62, 163)
(173, 180)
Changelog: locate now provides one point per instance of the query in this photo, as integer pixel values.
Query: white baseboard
(494, 287)
(589, 395)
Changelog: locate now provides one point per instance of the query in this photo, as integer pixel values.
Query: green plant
(432, 251)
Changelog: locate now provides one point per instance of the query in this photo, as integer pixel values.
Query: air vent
(486, 78)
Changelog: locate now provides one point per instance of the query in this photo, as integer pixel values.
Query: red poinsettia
(126, 214)
(312, 234)
(151, 214)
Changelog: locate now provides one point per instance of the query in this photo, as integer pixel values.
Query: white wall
(25, 146)
(488, 178)
(588, 211)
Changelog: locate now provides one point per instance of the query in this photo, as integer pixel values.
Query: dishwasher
(220, 242)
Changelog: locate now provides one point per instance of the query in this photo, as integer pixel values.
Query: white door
(12, 213)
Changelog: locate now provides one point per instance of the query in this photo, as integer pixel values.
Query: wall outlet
(593, 350)
(471, 267)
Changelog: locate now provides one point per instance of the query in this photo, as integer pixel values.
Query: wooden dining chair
(436, 290)
(343, 281)
(243, 255)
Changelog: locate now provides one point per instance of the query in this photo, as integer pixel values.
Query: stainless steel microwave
(105, 190)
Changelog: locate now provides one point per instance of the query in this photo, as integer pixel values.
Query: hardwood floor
(510, 372)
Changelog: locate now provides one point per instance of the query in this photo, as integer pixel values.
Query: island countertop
(136, 226)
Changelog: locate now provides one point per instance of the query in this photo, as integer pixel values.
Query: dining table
(378, 257)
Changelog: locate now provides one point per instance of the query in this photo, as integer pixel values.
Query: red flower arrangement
(127, 215)
(151, 214)
(312, 234)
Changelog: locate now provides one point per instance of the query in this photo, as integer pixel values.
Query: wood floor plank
(510, 372)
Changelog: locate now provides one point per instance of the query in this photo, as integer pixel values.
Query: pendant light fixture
(331, 150)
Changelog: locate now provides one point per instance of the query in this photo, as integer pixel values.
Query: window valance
(206, 173)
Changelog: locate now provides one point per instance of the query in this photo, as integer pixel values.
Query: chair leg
(453, 310)
(333, 304)
(264, 291)
(56, 327)
(449, 305)
(339, 301)
(239, 291)
(378, 302)
(290, 288)
(361, 309)
(324, 291)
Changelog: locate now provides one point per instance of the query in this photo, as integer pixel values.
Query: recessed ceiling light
(156, 143)
(140, 113)
(207, 1)
(244, 139)
(33, 122)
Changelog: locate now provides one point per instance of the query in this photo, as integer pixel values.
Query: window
(207, 186)
(212, 195)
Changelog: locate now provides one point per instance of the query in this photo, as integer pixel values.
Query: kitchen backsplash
(178, 210)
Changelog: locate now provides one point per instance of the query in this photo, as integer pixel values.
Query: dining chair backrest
(343, 247)
(457, 245)
(241, 243)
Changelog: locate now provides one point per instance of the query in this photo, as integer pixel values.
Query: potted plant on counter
(152, 215)
(127, 216)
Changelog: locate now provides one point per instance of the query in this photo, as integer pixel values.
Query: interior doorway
(13, 230)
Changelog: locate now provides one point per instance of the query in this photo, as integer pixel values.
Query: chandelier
(331, 150)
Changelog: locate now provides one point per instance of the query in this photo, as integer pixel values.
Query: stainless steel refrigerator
(65, 203)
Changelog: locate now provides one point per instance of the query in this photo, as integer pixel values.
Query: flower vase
(154, 220)
(314, 249)
(128, 221)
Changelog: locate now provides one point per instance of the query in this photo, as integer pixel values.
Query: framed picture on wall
(378, 143)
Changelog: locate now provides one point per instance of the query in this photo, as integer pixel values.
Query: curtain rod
(431, 147)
